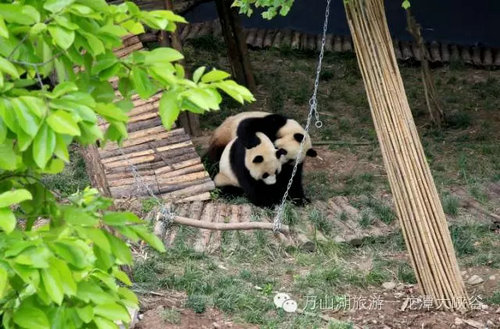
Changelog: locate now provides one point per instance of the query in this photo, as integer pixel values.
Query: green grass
(450, 204)
(320, 221)
(171, 316)
(72, 179)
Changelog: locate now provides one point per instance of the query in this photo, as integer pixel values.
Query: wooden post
(417, 202)
(236, 44)
(188, 120)
(95, 169)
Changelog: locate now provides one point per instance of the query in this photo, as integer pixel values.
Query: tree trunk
(418, 207)
(237, 50)
(188, 120)
(95, 169)
(431, 98)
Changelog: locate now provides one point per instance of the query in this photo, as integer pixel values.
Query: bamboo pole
(417, 202)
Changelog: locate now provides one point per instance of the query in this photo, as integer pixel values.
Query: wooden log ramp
(212, 220)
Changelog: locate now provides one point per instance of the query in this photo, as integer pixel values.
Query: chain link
(165, 213)
(313, 110)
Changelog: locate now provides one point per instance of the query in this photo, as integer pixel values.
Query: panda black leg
(296, 192)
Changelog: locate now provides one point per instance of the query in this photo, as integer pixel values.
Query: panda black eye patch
(265, 175)
(298, 137)
(280, 152)
(258, 159)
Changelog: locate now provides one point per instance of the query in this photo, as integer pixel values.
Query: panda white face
(262, 161)
(289, 138)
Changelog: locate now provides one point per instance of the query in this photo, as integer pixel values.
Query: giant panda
(286, 134)
(252, 163)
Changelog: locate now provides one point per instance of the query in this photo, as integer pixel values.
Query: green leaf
(96, 45)
(113, 312)
(111, 111)
(64, 88)
(62, 122)
(8, 67)
(122, 276)
(31, 317)
(14, 197)
(169, 109)
(7, 157)
(55, 166)
(103, 323)
(61, 150)
(85, 313)
(67, 281)
(36, 257)
(15, 13)
(120, 218)
(44, 145)
(52, 282)
(133, 27)
(57, 5)
(78, 216)
(98, 237)
(35, 105)
(7, 220)
(198, 73)
(26, 120)
(149, 237)
(162, 55)
(104, 61)
(3, 131)
(72, 252)
(4, 281)
(128, 296)
(406, 4)
(64, 38)
(31, 12)
(4, 32)
(38, 28)
(214, 75)
(90, 291)
(203, 98)
(120, 250)
(142, 84)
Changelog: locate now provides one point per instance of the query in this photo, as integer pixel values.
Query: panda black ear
(298, 137)
(311, 153)
(280, 152)
(258, 159)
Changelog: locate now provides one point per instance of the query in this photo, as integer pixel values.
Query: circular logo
(290, 306)
(280, 298)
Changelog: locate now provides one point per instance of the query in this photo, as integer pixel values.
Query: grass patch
(171, 316)
(320, 221)
(72, 179)
(198, 303)
(450, 204)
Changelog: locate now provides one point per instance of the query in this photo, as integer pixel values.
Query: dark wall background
(464, 22)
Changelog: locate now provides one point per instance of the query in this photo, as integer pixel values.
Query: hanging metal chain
(165, 214)
(313, 110)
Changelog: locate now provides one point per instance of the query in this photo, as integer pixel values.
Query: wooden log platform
(344, 219)
(165, 162)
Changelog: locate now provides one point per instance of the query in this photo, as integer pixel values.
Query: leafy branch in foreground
(60, 259)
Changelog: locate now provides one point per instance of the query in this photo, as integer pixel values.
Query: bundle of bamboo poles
(417, 202)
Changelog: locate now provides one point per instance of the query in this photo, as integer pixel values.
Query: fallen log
(228, 226)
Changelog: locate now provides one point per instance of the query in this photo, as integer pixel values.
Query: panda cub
(252, 163)
(286, 134)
